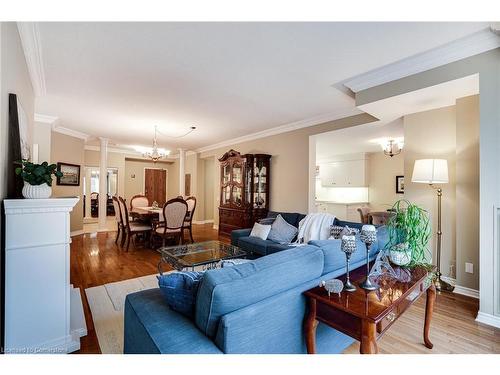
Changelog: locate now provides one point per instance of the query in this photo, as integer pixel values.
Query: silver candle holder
(368, 235)
(348, 246)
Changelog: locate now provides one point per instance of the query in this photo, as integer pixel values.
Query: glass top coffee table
(205, 254)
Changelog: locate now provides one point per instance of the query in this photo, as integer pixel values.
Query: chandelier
(155, 154)
(392, 147)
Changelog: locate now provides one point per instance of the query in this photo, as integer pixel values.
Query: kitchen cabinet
(348, 173)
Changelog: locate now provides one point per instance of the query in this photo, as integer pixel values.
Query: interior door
(155, 185)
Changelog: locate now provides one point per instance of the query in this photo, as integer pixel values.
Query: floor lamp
(434, 171)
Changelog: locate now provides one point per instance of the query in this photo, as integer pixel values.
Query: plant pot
(36, 191)
(401, 254)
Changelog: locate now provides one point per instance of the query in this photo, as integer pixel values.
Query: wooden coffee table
(366, 316)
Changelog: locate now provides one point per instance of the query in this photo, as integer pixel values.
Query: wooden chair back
(364, 214)
(174, 214)
(124, 213)
(191, 204)
(118, 211)
(139, 201)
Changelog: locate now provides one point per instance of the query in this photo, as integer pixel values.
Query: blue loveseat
(258, 247)
(255, 307)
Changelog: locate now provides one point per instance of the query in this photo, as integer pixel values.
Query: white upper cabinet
(348, 173)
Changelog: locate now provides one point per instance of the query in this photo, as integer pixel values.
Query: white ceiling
(437, 96)
(358, 139)
(118, 80)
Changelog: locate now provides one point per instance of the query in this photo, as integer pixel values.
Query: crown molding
(46, 119)
(283, 129)
(474, 44)
(113, 149)
(70, 132)
(30, 40)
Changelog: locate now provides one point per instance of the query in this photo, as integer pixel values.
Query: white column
(88, 191)
(103, 189)
(182, 171)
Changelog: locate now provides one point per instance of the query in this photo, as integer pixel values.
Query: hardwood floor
(96, 260)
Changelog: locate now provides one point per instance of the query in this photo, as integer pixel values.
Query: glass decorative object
(333, 286)
(348, 246)
(368, 235)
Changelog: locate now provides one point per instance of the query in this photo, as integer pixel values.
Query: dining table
(146, 213)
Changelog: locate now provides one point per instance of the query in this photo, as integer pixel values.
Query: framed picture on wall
(71, 174)
(400, 184)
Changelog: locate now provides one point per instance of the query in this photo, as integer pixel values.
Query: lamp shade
(430, 171)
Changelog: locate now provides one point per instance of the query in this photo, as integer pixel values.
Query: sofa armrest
(151, 327)
(238, 233)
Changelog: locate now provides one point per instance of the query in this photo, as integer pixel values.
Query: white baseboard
(461, 289)
(202, 222)
(488, 319)
(76, 232)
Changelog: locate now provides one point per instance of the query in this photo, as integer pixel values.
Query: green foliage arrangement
(37, 174)
(411, 225)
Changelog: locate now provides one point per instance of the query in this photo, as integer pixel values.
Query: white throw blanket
(315, 226)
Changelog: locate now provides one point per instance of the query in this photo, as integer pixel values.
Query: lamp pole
(440, 284)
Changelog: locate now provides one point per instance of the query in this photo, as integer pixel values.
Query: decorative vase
(401, 254)
(36, 191)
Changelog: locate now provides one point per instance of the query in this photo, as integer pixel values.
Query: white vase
(401, 254)
(36, 191)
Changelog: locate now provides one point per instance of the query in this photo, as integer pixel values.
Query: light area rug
(106, 305)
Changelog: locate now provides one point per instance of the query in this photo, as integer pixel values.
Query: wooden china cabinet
(244, 190)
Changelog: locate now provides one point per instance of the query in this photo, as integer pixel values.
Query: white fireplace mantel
(43, 312)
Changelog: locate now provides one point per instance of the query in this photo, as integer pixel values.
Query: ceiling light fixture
(392, 147)
(156, 153)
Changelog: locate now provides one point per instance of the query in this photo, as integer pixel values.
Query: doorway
(155, 185)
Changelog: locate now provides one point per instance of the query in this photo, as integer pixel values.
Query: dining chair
(118, 218)
(131, 228)
(174, 214)
(188, 221)
(364, 214)
(139, 201)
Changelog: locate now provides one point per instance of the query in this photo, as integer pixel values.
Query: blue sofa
(255, 307)
(255, 246)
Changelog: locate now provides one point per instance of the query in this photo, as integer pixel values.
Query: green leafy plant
(410, 224)
(37, 174)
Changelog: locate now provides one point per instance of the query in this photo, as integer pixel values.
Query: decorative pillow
(233, 262)
(282, 232)
(267, 221)
(260, 231)
(180, 289)
(337, 231)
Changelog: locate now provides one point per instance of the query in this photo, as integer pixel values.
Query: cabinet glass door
(226, 174)
(260, 184)
(237, 173)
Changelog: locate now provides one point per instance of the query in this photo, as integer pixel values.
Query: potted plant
(37, 179)
(409, 235)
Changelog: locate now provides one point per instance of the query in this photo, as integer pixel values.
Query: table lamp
(434, 171)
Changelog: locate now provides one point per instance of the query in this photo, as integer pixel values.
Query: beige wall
(14, 79)
(42, 136)
(209, 188)
(467, 193)
(69, 150)
(382, 172)
(135, 185)
(289, 163)
(432, 135)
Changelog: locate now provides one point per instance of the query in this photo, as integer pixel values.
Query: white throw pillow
(260, 230)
